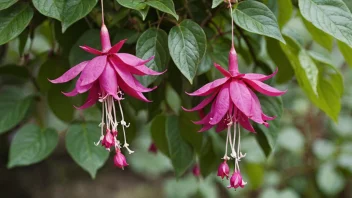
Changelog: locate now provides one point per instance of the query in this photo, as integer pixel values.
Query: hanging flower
(233, 103)
(152, 148)
(107, 77)
(196, 170)
(224, 170)
(236, 180)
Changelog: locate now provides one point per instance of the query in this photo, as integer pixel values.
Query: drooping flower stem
(102, 11)
(124, 124)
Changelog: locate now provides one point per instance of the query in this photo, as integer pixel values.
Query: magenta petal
(260, 77)
(74, 92)
(256, 110)
(71, 73)
(222, 70)
(91, 50)
(82, 89)
(210, 87)
(116, 48)
(93, 97)
(201, 105)
(221, 126)
(93, 70)
(264, 88)
(205, 128)
(128, 78)
(222, 105)
(244, 122)
(241, 96)
(131, 91)
(206, 119)
(143, 70)
(108, 80)
(132, 60)
(266, 117)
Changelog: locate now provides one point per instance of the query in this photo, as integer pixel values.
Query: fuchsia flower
(107, 77)
(196, 170)
(119, 159)
(236, 180)
(153, 149)
(224, 170)
(233, 102)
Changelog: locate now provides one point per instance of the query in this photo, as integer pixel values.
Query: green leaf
(172, 99)
(181, 154)
(164, 6)
(60, 104)
(80, 140)
(6, 4)
(189, 130)
(255, 17)
(267, 137)
(285, 70)
(333, 17)
(13, 21)
(323, 88)
(90, 38)
(346, 52)
(285, 10)
(51, 69)
(187, 45)
(216, 3)
(323, 39)
(14, 70)
(158, 132)
(13, 108)
(138, 5)
(31, 145)
(153, 42)
(207, 163)
(205, 64)
(329, 180)
(66, 11)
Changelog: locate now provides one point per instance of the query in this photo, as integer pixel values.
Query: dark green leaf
(80, 140)
(90, 38)
(60, 104)
(216, 3)
(31, 145)
(267, 137)
(208, 159)
(158, 132)
(187, 45)
(23, 37)
(153, 42)
(189, 130)
(66, 11)
(346, 52)
(181, 154)
(205, 64)
(51, 69)
(138, 5)
(13, 21)
(13, 108)
(285, 70)
(255, 17)
(131, 36)
(14, 70)
(333, 17)
(323, 39)
(172, 99)
(164, 6)
(6, 3)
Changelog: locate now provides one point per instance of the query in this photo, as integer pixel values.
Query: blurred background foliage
(308, 153)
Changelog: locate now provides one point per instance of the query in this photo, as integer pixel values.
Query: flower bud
(236, 180)
(108, 140)
(119, 159)
(223, 170)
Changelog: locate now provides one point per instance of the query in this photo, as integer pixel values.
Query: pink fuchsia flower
(119, 159)
(196, 170)
(153, 149)
(236, 180)
(224, 170)
(107, 77)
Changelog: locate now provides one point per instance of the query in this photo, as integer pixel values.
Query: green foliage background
(305, 153)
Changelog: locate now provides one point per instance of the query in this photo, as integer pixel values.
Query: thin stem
(239, 142)
(102, 11)
(230, 6)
